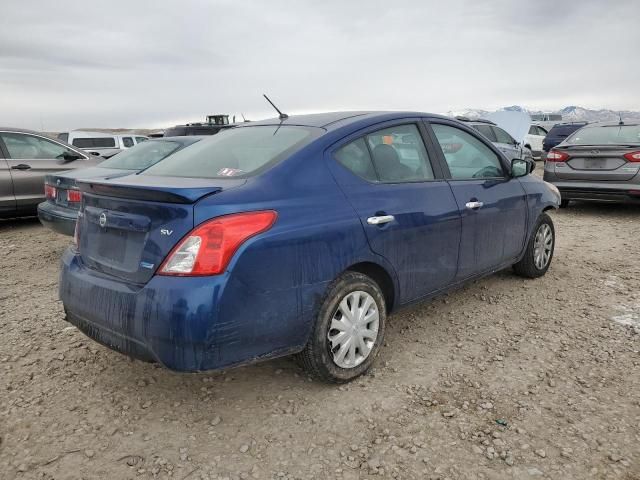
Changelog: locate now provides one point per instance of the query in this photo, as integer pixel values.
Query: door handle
(379, 220)
(21, 166)
(474, 205)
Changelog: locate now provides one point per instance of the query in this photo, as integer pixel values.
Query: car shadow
(20, 222)
(619, 210)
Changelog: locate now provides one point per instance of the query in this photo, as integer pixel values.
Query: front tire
(349, 330)
(537, 257)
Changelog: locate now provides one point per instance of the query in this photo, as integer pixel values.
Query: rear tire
(537, 258)
(366, 313)
(564, 203)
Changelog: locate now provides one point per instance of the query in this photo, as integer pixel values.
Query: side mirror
(70, 156)
(519, 168)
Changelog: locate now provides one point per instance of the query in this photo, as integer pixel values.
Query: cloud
(70, 64)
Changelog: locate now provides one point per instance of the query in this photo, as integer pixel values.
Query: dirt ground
(506, 378)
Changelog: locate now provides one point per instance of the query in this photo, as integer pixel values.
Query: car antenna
(243, 119)
(620, 116)
(281, 116)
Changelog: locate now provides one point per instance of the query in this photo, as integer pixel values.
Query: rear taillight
(632, 156)
(74, 196)
(557, 156)
(208, 249)
(49, 191)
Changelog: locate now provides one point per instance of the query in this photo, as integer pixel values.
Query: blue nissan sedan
(298, 236)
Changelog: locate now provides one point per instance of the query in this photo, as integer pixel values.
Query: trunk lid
(597, 163)
(128, 226)
(68, 181)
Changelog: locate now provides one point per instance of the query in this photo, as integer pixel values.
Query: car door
(506, 143)
(30, 158)
(405, 206)
(492, 205)
(7, 198)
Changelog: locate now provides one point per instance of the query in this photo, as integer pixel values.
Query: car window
(487, 131)
(127, 142)
(142, 156)
(606, 135)
(355, 157)
(502, 136)
(97, 142)
(467, 156)
(542, 131)
(141, 139)
(236, 152)
(23, 146)
(399, 155)
(63, 136)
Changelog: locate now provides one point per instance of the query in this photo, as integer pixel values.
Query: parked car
(559, 132)
(213, 125)
(534, 139)
(500, 138)
(25, 158)
(298, 235)
(103, 144)
(600, 162)
(60, 210)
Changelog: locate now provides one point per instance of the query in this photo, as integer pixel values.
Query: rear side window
(467, 157)
(502, 136)
(487, 131)
(127, 142)
(97, 142)
(395, 154)
(237, 152)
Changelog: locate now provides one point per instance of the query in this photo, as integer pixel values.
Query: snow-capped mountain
(569, 114)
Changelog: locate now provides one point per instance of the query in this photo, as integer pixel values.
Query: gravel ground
(506, 378)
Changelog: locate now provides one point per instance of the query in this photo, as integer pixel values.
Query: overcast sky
(67, 64)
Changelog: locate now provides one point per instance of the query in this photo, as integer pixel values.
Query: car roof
(21, 130)
(184, 139)
(614, 124)
(334, 120)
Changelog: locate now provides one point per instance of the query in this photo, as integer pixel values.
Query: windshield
(606, 135)
(237, 152)
(142, 155)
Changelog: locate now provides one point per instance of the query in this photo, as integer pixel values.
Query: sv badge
(165, 231)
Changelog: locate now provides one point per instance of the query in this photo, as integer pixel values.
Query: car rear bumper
(57, 218)
(187, 324)
(599, 191)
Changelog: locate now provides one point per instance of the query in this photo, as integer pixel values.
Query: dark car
(601, 162)
(26, 157)
(559, 132)
(60, 209)
(213, 125)
(298, 235)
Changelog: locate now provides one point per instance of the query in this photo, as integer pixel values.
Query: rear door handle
(379, 220)
(474, 205)
(21, 166)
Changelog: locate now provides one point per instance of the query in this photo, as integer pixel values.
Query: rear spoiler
(148, 193)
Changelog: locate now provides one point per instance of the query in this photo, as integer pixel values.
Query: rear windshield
(142, 155)
(237, 152)
(606, 135)
(98, 142)
(565, 130)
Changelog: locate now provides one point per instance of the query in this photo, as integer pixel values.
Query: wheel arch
(382, 277)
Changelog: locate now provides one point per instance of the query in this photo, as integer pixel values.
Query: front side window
(127, 142)
(502, 136)
(236, 152)
(466, 156)
(395, 154)
(23, 146)
(142, 156)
